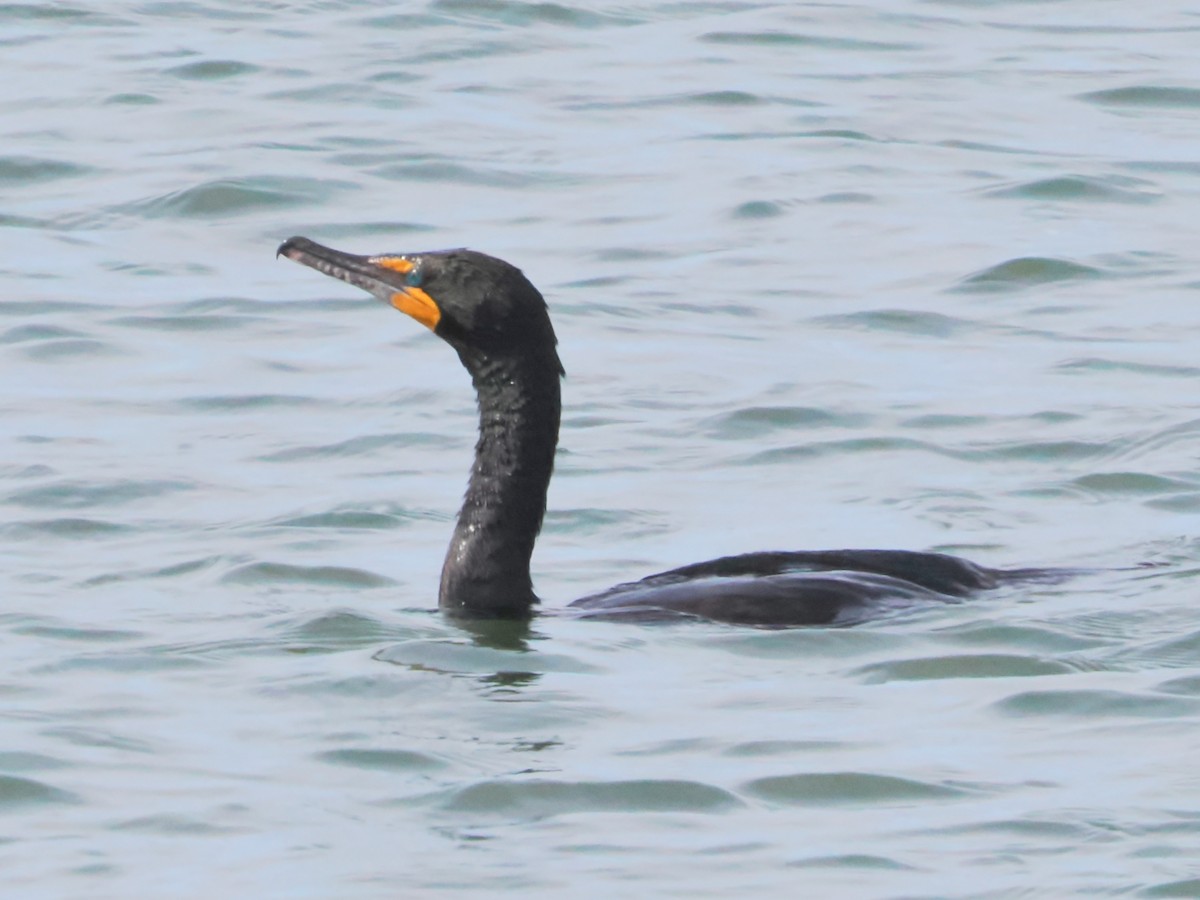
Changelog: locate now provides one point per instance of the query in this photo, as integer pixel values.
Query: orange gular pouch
(411, 300)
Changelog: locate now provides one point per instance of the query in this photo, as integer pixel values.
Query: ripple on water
(81, 736)
(338, 626)
(68, 494)
(174, 570)
(17, 171)
(136, 663)
(187, 323)
(946, 420)
(28, 308)
(971, 665)
(17, 792)
(1099, 705)
(1178, 503)
(212, 70)
(269, 573)
(847, 197)
(1043, 451)
(726, 98)
(1098, 364)
(374, 230)
(226, 197)
(45, 629)
(1077, 188)
(519, 14)
(1147, 96)
(39, 332)
(476, 174)
(839, 449)
(348, 518)
(23, 761)
(56, 349)
(69, 528)
(1108, 484)
(541, 798)
(1026, 272)
(850, 861)
(363, 445)
(384, 760)
(1188, 887)
(463, 657)
(855, 788)
(759, 421)
(582, 523)
(903, 321)
(176, 825)
(132, 98)
(236, 402)
(758, 209)
(768, 748)
(790, 39)
(1178, 651)
(1041, 639)
(1189, 685)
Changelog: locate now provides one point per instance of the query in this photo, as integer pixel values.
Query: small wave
(969, 665)
(542, 798)
(359, 446)
(759, 421)
(840, 788)
(22, 792)
(1101, 705)
(212, 70)
(903, 321)
(789, 39)
(22, 334)
(268, 573)
(1146, 96)
(25, 170)
(81, 495)
(229, 197)
(385, 760)
(1079, 188)
(1025, 272)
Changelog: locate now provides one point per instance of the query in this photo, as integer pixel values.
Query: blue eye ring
(414, 276)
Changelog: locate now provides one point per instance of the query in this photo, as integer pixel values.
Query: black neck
(487, 566)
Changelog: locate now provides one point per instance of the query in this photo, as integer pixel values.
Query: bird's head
(482, 306)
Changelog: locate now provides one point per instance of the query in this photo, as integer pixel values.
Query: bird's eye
(414, 276)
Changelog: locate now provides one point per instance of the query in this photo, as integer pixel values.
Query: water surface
(920, 276)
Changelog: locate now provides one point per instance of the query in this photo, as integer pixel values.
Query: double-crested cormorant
(498, 323)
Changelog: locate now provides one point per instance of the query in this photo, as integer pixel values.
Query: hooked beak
(381, 276)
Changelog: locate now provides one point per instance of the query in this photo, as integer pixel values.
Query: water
(919, 276)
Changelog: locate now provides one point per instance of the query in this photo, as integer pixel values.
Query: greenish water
(920, 276)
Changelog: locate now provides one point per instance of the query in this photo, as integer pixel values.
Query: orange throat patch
(412, 301)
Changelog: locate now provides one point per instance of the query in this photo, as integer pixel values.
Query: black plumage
(497, 321)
